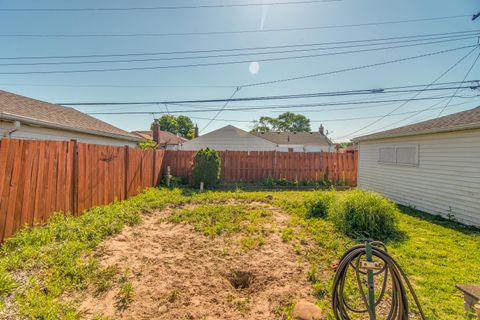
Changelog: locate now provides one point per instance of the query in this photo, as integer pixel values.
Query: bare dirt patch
(177, 273)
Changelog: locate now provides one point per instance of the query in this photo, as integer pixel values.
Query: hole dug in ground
(241, 279)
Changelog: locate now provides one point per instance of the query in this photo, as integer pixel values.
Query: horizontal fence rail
(252, 166)
(38, 178)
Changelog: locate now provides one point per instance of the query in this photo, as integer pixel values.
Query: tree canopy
(287, 121)
(181, 125)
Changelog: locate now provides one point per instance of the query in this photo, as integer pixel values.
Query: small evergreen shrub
(206, 167)
(363, 214)
(318, 206)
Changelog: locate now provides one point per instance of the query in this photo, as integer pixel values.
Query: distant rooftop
(166, 138)
(295, 138)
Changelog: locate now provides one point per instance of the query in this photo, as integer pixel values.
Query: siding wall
(40, 133)
(446, 180)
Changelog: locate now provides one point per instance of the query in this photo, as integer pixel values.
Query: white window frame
(395, 163)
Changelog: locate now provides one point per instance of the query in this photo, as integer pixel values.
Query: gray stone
(305, 310)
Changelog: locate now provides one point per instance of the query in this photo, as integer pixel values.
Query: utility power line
(324, 120)
(314, 75)
(454, 93)
(346, 44)
(223, 108)
(277, 107)
(221, 32)
(210, 6)
(243, 54)
(419, 92)
(238, 62)
(398, 89)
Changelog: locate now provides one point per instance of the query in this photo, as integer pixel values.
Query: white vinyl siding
(445, 178)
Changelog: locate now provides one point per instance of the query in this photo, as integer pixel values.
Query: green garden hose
(386, 267)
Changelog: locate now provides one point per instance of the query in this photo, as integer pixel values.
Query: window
(387, 155)
(405, 155)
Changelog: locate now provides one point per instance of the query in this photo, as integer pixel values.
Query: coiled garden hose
(360, 259)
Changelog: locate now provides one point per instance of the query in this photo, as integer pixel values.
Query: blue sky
(219, 81)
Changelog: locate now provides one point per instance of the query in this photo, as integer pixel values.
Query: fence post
(126, 172)
(153, 167)
(74, 197)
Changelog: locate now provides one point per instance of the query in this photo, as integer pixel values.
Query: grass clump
(124, 296)
(320, 203)
(364, 214)
(213, 220)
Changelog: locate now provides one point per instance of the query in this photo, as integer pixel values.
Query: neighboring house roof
(469, 119)
(166, 138)
(295, 138)
(147, 135)
(229, 138)
(14, 107)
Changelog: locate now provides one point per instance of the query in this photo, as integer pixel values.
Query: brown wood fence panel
(38, 178)
(256, 165)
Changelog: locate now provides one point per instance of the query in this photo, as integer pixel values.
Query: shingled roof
(28, 110)
(469, 119)
(295, 138)
(166, 138)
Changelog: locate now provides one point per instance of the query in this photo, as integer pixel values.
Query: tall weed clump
(206, 167)
(320, 203)
(364, 214)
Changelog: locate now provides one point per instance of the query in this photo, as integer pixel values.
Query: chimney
(156, 133)
(321, 129)
(195, 131)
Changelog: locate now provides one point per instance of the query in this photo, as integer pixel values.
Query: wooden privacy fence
(256, 165)
(38, 178)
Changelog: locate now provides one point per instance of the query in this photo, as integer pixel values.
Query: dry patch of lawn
(184, 270)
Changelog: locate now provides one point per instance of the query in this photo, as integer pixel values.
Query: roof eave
(417, 133)
(28, 120)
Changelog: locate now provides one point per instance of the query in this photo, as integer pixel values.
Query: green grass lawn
(37, 266)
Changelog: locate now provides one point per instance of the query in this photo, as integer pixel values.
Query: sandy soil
(178, 273)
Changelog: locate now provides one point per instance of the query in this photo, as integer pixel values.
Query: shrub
(206, 167)
(318, 206)
(363, 214)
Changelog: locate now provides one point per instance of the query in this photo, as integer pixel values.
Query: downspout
(16, 126)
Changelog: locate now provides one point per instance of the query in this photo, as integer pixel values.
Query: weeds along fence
(252, 166)
(38, 178)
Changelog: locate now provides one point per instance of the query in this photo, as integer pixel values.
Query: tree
(168, 123)
(185, 127)
(147, 145)
(287, 121)
(181, 125)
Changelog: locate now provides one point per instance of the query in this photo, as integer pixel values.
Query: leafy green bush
(318, 206)
(363, 214)
(206, 167)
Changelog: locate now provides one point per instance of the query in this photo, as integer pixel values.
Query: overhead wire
(416, 94)
(223, 107)
(237, 62)
(395, 89)
(276, 107)
(209, 6)
(205, 33)
(455, 92)
(346, 43)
